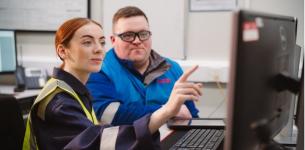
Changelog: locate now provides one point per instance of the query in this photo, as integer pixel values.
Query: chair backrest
(12, 126)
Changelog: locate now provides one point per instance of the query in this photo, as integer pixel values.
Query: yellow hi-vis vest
(52, 87)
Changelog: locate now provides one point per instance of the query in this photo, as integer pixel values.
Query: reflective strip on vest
(109, 113)
(28, 143)
(52, 87)
(108, 138)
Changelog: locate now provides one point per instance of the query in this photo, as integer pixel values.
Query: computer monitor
(263, 57)
(8, 53)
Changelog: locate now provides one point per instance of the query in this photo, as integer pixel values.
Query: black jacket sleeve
(136, 136)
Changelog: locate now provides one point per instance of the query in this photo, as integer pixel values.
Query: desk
(26, 94)
(26, 100)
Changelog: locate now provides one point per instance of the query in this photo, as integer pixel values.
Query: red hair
(66, 31)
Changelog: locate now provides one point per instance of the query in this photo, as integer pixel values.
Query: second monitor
(8, 54)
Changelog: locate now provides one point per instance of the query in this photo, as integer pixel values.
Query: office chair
(12, 127)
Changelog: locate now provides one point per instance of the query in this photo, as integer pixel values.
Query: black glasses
(131, 36)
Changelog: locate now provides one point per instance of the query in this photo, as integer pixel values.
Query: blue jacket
(115, 83)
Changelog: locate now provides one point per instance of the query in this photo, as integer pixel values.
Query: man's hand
(181, 92)
(184, 113)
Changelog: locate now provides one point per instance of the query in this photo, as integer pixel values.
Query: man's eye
(128, 35)
(103, 43)
(143, 34)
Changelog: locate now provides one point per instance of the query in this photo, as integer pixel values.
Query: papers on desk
(7, 89)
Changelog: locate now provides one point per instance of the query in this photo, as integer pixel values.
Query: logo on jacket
(165, 80)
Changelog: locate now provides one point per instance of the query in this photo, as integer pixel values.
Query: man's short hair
(126, 12)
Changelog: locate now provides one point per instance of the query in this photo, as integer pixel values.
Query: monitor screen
(257, 109)
(8, 59)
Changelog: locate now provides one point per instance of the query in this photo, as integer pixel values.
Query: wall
(208, 44)
(208, 35)
(207, 40)
(37, 50)
(284, 7)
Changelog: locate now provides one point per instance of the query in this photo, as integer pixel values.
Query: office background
(206, 35)
(197, 37)
(202, 38)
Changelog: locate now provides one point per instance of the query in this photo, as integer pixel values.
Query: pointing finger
(187, 73)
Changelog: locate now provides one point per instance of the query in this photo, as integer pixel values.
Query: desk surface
(27, 93)
(9, 89)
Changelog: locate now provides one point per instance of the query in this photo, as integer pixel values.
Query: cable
(221, 90)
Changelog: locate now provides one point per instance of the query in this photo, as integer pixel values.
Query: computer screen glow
(7, 51)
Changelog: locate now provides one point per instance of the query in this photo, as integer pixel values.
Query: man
(134, 79)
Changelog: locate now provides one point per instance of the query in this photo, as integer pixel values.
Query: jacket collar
(157, 66)
(72, 81)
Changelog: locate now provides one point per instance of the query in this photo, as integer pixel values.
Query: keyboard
(201, 139)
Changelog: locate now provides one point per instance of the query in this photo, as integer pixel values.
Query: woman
(62, 116)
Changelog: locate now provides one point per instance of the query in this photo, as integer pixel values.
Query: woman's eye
(87, 43)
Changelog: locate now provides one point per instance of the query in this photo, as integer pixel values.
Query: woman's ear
(61, 51)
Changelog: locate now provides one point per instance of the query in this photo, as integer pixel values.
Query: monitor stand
(261, 127)
(263, 132)
(288, 136)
